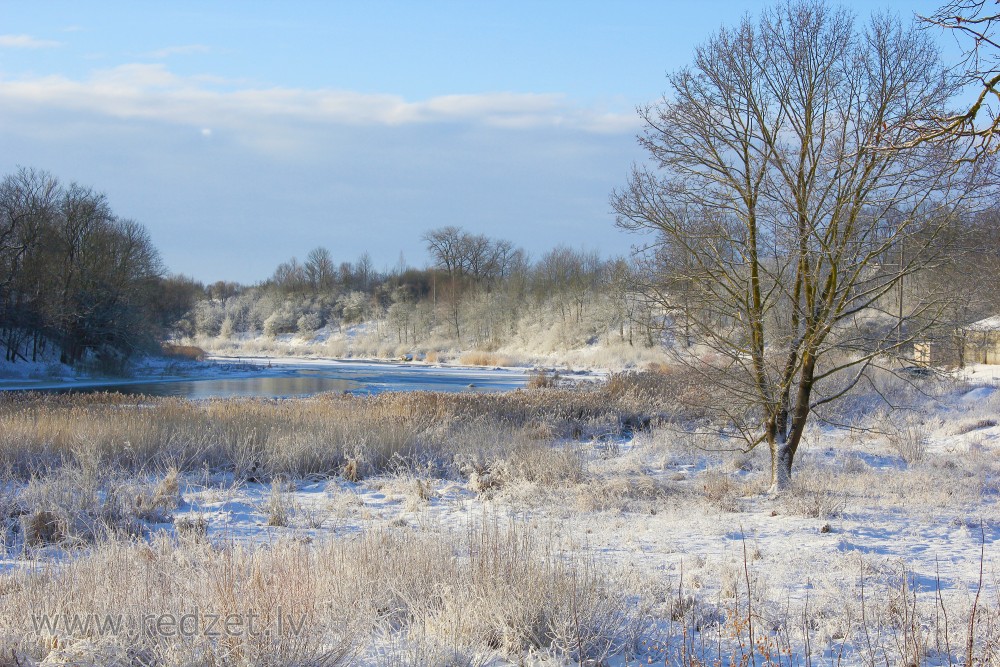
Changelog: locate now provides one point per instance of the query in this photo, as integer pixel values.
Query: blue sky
(244, 133)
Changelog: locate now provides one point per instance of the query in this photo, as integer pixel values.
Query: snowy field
(581, 546)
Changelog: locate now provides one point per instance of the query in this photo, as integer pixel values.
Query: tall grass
(263, 438)
(481, 358)
(499, 589)
(100, 470)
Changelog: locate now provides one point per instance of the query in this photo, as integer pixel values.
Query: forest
(77, 282)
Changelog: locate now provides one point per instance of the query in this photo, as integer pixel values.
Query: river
(293, 377)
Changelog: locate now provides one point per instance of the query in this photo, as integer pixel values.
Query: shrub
(41, 527)
(189, 352)
(480, 358)
(309, 323)
(908, 439)
(281, 321)
(540, 379)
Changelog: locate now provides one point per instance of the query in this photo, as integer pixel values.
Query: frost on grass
(494, 590)
(550, 526)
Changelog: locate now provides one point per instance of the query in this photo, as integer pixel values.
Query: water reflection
(267, 387)
(287, 380)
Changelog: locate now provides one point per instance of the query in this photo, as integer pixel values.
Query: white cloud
(153, 92)
(26, 42)
(182, 50)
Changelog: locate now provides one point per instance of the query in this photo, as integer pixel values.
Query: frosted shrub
(309, 323)
(226, 330)
(279, 322)
(908, 439)
(207, 318)
(815, 493)
(278, 509)
(355, 307)
(73, 506)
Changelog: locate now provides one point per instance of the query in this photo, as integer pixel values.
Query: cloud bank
(26, 42)
(153, 92)
(232, 179)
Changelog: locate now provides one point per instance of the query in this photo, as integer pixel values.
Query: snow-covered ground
(662, 509)
(905, 503)
(54, 375)
(364, 341)
(908, 515)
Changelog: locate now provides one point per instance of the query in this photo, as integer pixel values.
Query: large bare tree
(772, 191)
(976, 123)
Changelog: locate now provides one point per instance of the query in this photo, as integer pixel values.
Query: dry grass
(278, 509)
(677, 392)
(98, 470)
(482, 358)
(189, 352)
(191, 528)
(257, 439)
(907, 436)
(42, 527)
(75, 505)
(503, 590)
(497, 590)
(540, 379)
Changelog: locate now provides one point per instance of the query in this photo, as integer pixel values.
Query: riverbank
(361, 342)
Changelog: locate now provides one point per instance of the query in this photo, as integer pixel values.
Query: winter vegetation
(600, 524)
(789, 458)
(483, 302)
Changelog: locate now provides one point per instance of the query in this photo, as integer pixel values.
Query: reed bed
(318, 436)
(502, 592)
(386, 597)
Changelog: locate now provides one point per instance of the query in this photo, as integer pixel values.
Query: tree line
(478, 292)
(76, 281)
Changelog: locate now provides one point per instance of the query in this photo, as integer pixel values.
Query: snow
(987, 324)
(884, 530)
(859, 510)
(980, 374)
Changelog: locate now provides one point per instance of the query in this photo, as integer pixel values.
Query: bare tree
(320, 270)
(290, 277)
(27, 198)
(769, 178)
(571, 277)
(469, 260)
(973, 24)
(447, 246)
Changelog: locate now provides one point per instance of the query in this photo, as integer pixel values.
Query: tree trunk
(776, 431)
(783, 437)
(781, 466)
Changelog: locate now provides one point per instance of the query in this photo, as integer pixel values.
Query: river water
(286, 378)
